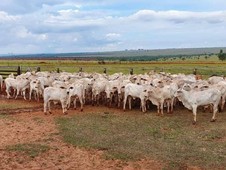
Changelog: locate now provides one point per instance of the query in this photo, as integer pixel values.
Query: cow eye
(71, 87)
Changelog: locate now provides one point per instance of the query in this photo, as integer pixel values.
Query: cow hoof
(213, 120)
(194, 122)
(50, 112)
(45, 113)
(81, 110)
(65, 113)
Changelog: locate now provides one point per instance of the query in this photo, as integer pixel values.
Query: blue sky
(61, 26)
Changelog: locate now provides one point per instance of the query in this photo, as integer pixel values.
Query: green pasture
(204, 66)
(133, 135)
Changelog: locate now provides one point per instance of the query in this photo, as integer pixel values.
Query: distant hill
(140, 54)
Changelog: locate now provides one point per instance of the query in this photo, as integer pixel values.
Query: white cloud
(69, 25)
(179, 16)
(5, 17)
(112, 36)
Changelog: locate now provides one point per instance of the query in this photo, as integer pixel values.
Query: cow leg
(143, 106)
(130, 99)
(168, 106)
(17, 93)
(30, 94)
(124, 103)
(222, 103)
(172, 104)
(14, 92)
(98, 99)
(75, 100)
(214, 113)
(93, 98)
(158, 109)
(194, 114)
(37, 94)
(45, 107)
(48, 105)
(69, 102)
(81, 103)
(7, 91)
(24, 94)
(161, 108)
(64, 106)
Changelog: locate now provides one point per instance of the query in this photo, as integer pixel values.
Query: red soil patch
(35, 127)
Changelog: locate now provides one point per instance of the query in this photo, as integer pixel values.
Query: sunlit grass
(205, 66)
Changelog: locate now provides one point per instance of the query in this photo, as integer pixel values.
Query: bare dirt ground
(35, 127)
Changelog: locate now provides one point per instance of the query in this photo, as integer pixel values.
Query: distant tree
(221, 55)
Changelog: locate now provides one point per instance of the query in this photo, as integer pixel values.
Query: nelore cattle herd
(118, 90)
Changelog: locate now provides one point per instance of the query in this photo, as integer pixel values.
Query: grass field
(206, 67)
(134, 135)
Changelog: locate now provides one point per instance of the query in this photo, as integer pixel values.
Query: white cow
(36, 89)
(18, 85)
(159, 95)
(99, 86)
(111, 88)
(75, 90)
(55, 94)
(135, 91)
(191, 99)
(215, 79)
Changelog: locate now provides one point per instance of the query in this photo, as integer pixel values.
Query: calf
(75, 90)
(35, 86)
(55, 94)
(159, 95)
(135, 91)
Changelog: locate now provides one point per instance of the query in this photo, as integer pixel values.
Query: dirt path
(35, 127)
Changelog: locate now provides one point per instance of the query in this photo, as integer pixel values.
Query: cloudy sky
(53, 26)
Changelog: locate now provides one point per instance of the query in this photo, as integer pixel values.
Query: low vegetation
(30, 149)
(172, 138)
